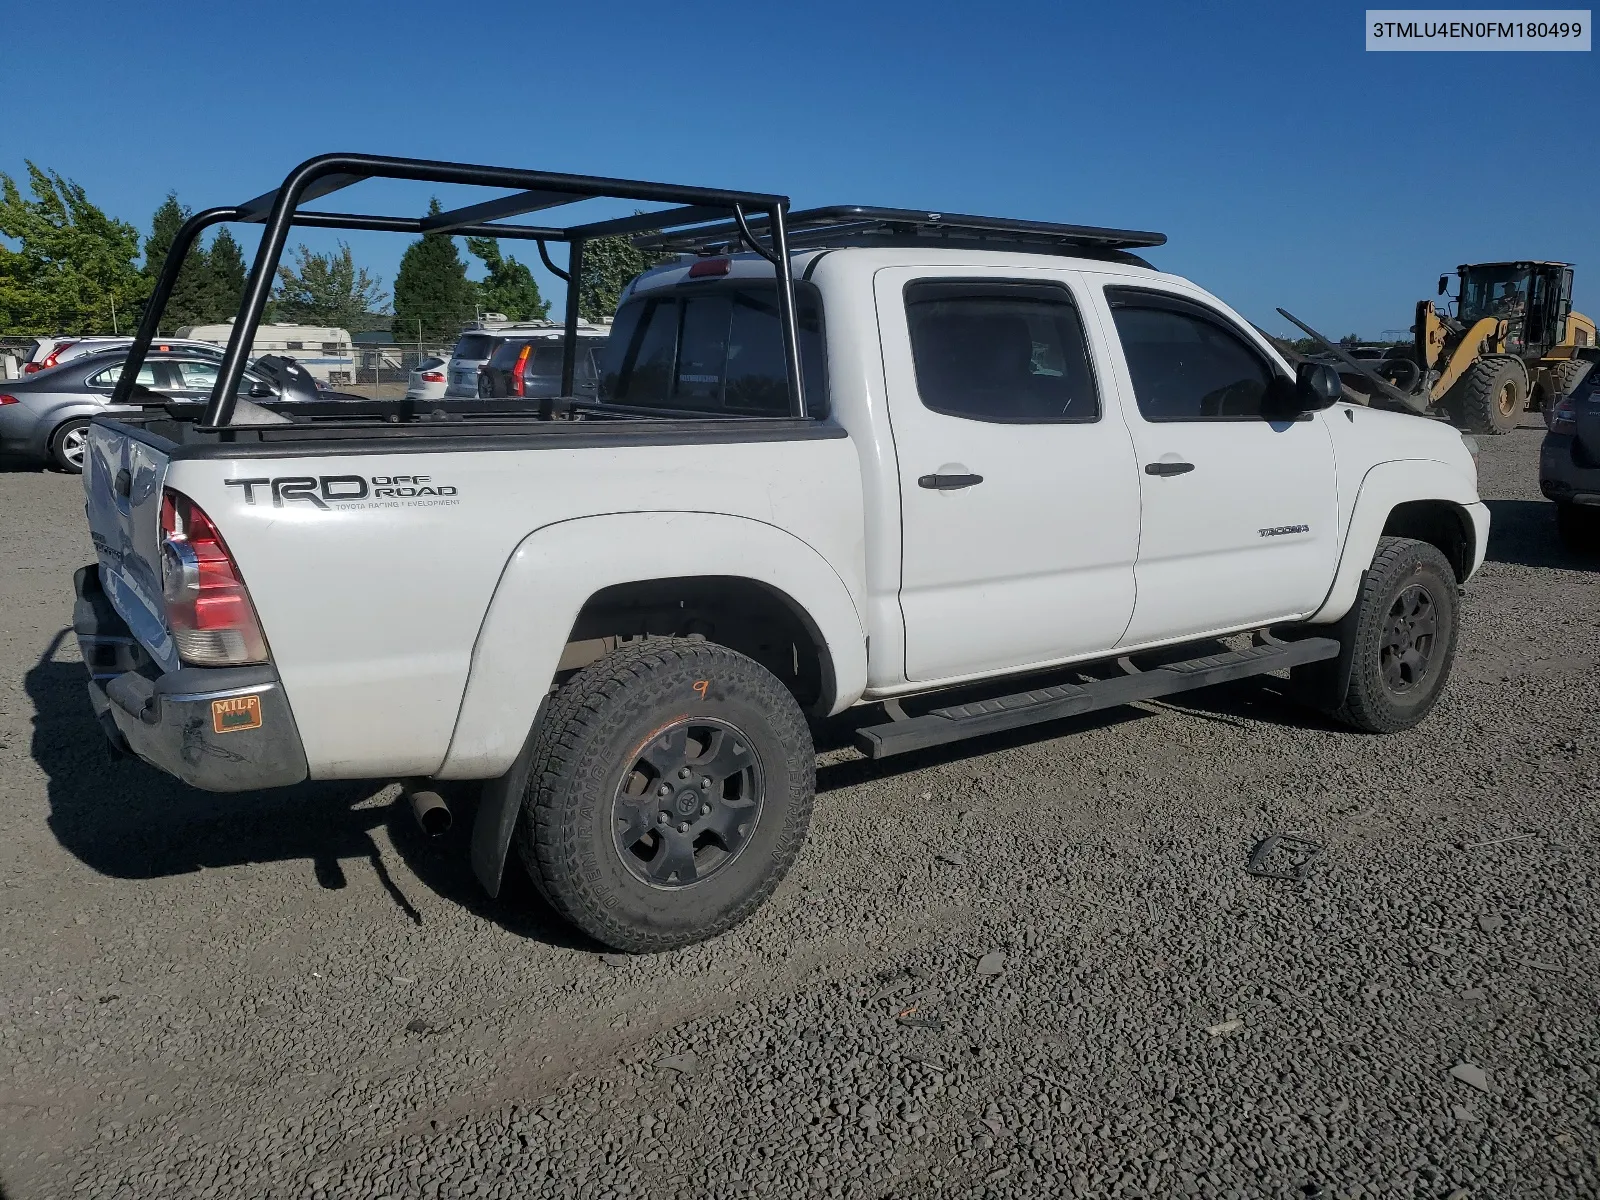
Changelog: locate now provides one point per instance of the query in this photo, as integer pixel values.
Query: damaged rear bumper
(224, 729)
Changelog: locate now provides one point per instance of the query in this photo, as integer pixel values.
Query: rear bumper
(1561, 477)
(221, 729)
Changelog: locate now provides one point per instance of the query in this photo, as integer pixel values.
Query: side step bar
(960, 721)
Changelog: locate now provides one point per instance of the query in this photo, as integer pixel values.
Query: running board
(960, 721)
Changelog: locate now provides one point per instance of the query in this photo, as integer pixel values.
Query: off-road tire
(1578, 528)
(592, 733)
(69, 434)
(1369, 702)
(1490, 397)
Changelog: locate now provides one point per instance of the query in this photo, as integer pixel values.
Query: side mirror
(1316, 386)
(1444, 281)
(260, 391)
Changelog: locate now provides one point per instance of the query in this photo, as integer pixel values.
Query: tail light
(517, 388)
(1564, 418)
(209, 612)
(50, 360)
(4, 400)
(433, 377)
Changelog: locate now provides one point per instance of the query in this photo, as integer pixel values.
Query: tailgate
(122, 480)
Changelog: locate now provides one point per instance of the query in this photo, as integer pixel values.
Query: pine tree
(224, 278)
(433, 298)
(510, 287)
(188, 304)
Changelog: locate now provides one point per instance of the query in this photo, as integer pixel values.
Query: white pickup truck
(1030, 476)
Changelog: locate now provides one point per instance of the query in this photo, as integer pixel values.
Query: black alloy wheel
(1406, 655)
(686, 807)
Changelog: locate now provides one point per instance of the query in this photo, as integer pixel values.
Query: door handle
(1168, 468)
(948, 483)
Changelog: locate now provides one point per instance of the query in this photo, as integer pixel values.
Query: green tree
(510, 287)
(609, 265)
(224, 278)
(189, 302)
(73, 269)
(433, 298)
(325, 289)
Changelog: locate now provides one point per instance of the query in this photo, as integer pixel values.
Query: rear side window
(711, 350)
(108, 378)
(1186, 363)
(475, 346)
(1000, 351)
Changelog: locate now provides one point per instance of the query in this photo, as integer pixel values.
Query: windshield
(1496, 291)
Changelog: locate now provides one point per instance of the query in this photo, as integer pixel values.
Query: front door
(1239, 509)
(1018, 489)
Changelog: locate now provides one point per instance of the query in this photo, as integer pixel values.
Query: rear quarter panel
(372, 607)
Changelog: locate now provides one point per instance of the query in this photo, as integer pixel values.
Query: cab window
(1185, 362)
(108, 377)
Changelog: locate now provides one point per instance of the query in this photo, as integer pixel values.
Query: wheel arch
(1424, 499)
(556, 594)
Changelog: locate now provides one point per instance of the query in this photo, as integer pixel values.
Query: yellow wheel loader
(1512, 343)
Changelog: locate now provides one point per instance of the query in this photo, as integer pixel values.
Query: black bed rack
(864, 225)
(535, 191)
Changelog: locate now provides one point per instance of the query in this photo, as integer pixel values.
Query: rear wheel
(1402, 639)
(68, 444)
(671, 790)
(1490, 397)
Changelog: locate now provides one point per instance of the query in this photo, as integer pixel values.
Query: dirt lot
(292, 994)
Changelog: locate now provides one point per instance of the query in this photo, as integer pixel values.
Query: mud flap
(498, 810)
(1322, 685)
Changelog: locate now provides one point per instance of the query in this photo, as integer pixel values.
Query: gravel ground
(1032, 966)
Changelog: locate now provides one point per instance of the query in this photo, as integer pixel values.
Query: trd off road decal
(329, 492)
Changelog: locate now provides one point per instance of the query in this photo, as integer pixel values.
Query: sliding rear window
(712, 350)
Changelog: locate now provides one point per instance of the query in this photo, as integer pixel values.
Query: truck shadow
(1523, 533)
(129, 821)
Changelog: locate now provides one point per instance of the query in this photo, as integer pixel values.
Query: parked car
(44, 416)
(1018, 448)
(477, 346)
(428, 380)
(532, 367)
(53, 352)
(1569, 462)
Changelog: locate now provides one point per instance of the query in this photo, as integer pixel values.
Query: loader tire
(670, 792)
(1490, 397)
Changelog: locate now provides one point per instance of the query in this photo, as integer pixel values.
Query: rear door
(1239, 510)
(1018, 489)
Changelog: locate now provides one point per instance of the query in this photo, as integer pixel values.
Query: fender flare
(556, 569)
(543, 587)
(1385, 486)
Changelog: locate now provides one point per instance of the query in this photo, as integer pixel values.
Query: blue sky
(1286, 165)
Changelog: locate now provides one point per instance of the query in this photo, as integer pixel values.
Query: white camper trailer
(324, 351)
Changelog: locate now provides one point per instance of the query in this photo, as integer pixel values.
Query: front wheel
(1490, 396)
(68, 444)
(1402, 639)
(671, 790)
